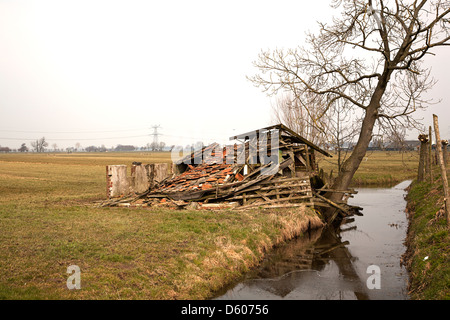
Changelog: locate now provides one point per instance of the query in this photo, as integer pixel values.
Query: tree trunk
(350, 165)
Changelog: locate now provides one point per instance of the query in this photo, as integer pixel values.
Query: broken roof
(284, 132)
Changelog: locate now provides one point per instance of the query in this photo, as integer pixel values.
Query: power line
(71, 132)
(77, 139)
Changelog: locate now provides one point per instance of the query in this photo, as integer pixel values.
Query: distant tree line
(41, 145)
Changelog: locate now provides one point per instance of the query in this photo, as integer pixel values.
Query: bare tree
(335, 130)
(341, 130)
(370, 57)
(154, 146)
(397, 138)
(291, 112)
(39, 145)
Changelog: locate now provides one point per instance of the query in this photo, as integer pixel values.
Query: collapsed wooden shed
(272, 167)
(268, 167)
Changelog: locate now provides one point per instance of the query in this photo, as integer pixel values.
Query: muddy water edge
(360, 259)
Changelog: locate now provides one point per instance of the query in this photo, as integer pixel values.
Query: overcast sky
(105, 72)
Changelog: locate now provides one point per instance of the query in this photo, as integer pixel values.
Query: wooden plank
(331, 203)
(285, 180)
(316, 203)
(300, 157)
(261, 205)
(292, 166)
(308, 163)
(289, 199)
(286, 186)
(276, 201)
(276, 187)
(290, 205)
(250, 183)
(250, 196)
(262, 196)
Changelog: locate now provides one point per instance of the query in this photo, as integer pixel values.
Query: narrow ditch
(360, 259)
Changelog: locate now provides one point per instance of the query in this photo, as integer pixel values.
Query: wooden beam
(276, 187)
(263, 206)
(430, 156)
(285, 180)
(249, 196)
(305, 141)
(333, 204)
(300, 157)
(292, 166)
(443, 170)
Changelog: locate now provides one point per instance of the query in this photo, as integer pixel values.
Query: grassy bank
(47, 223)
(428, 241)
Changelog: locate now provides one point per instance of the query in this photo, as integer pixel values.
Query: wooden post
(292, 166)
(443, 170)
(308, 162)
(423, 138)
(430, 156)
(445, 151)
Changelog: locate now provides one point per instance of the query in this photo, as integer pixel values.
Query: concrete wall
(143, 177)
(117, 183)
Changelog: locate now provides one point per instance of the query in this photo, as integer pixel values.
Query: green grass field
(48, 222)
(379, 168)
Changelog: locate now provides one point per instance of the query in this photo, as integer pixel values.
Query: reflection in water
(332, 263)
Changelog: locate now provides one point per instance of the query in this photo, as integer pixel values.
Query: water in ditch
(359, 260)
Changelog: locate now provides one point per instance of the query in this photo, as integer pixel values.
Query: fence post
(445, 151)
(430, 155)
(443, 169)
(423, 138)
